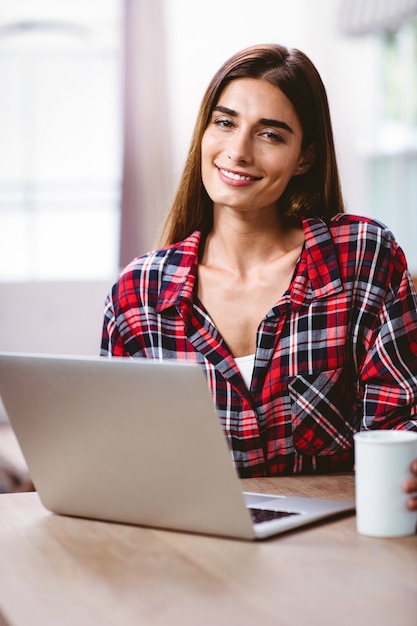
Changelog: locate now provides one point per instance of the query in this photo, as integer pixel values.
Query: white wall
(52, 317)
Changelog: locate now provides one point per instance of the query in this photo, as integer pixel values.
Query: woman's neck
(243, 244)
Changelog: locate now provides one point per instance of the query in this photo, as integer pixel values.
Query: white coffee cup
(382, 465)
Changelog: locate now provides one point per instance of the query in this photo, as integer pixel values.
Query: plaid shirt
(337, 353)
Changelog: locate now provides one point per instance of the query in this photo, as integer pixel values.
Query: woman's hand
(411, 487)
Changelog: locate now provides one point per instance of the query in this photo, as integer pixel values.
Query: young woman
(303, 317)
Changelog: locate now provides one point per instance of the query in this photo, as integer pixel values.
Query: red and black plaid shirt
(337, 353)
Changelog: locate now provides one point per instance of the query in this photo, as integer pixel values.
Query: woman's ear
(307, 159)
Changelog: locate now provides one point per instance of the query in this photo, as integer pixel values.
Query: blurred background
(98, 99)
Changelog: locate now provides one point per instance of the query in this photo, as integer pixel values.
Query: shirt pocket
(323, 412)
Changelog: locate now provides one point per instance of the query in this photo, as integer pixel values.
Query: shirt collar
(318, 264)
(179, 273)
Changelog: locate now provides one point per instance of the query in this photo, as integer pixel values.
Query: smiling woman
(318, 191)
(261, 269)
(252, 147)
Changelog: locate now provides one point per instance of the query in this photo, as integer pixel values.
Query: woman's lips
(236, 178)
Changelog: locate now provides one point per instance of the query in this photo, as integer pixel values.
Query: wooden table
(58, 571)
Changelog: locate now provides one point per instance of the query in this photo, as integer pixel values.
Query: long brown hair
(316, 192)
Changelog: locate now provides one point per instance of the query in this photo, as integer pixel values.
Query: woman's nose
(240, 147)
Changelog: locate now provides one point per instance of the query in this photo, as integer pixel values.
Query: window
(60, 139)
(392, 168)
(398, 128)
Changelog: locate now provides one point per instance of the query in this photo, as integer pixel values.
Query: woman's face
(251, 147)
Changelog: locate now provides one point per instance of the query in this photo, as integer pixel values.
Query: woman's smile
(235, 178)
(252, 146)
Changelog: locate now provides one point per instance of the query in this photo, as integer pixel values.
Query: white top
(246, 365)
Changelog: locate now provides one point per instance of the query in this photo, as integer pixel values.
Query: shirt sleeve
(111, 341)
(388, 375)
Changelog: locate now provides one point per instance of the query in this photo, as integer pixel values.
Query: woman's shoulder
(357, 222)
(367, 242)
(354, 231)
(362, 229)
(178, 253)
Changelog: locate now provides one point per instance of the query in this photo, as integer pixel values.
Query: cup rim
(385, 436)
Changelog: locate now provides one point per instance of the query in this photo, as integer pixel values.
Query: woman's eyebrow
(226, 111)
(264, 121)
(276, 124)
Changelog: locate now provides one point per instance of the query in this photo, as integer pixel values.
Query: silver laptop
(137, 441)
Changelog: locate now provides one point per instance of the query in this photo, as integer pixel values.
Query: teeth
(235, 176)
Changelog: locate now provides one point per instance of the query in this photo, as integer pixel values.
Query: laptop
(137, 441)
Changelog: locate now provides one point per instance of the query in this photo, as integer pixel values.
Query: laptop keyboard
(265, 515)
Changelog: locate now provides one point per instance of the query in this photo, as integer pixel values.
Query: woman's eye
(269, 134)
(223, 122)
